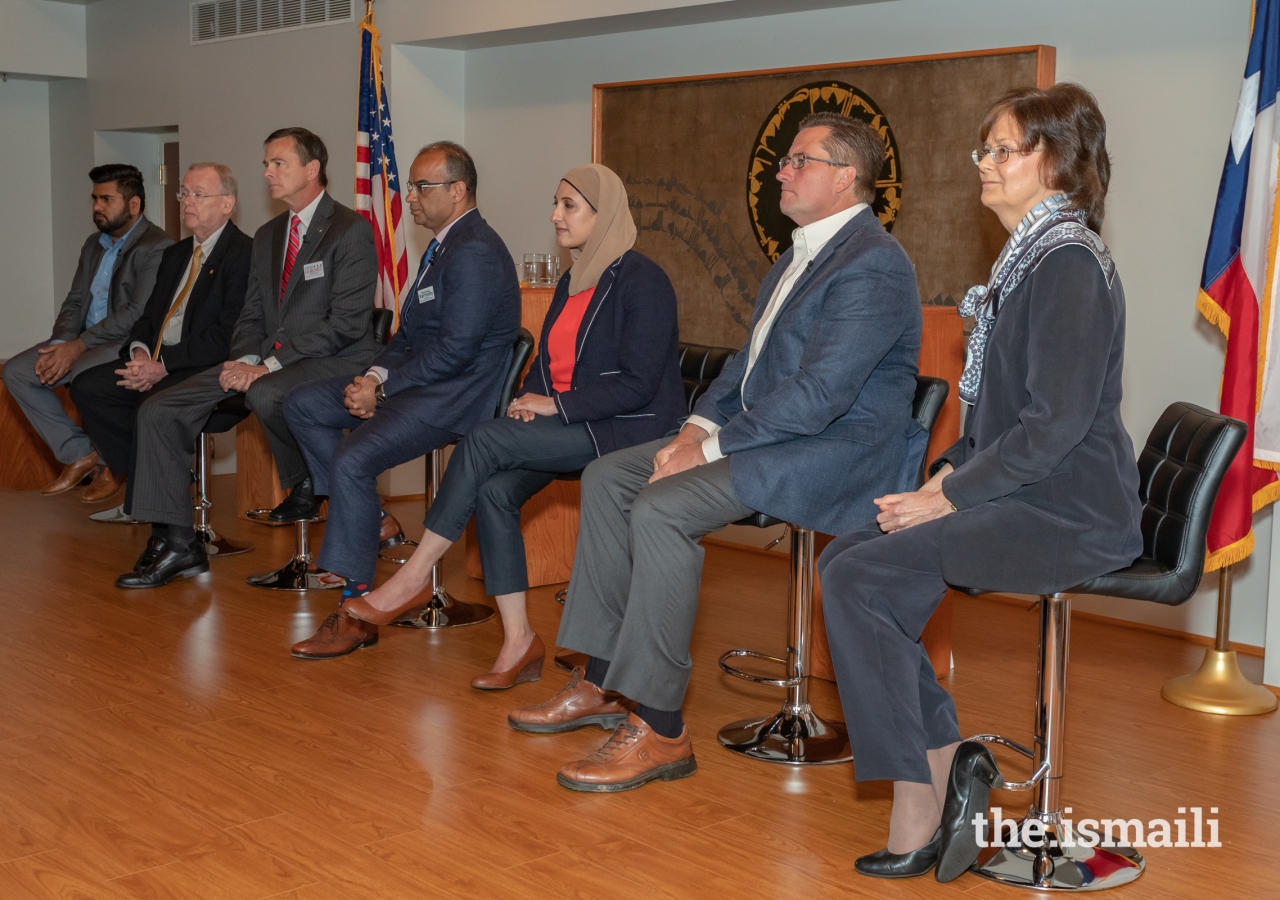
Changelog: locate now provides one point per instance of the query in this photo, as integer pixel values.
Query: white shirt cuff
(138, 345)
(250, 360)
(272, 364)
(705, 424)
(379, 373)
(56, 341)
(711, 448)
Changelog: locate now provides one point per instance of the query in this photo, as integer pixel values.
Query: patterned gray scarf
(1048, 226)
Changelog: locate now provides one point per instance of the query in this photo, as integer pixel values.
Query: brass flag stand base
(1218, 686)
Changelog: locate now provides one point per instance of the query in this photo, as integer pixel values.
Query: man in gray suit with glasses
(307, 310)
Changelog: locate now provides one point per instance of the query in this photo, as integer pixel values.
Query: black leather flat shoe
(170, 564)
(973, 774)
(155, 546)
(302, 503)
(883, 864)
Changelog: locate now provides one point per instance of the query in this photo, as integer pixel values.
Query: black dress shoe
(973, 774)
(302, 503)
(170, 564)
(883, 864)
(150, 553)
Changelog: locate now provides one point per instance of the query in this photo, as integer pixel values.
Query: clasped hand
(141, 373)
(899, 511)
(54, 361)
(237, 376)
(683, 453)
(526, 406)
(360, 397)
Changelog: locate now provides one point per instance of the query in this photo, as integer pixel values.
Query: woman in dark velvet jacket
(1039, 494)
(606, 377)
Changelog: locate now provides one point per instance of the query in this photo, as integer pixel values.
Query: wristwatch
(380, 394)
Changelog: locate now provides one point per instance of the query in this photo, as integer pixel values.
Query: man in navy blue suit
(440, 374)
(808, 423)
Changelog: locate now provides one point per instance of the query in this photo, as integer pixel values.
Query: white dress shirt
(304, 215)
(380, 372)
(808, 241)
(173, 330)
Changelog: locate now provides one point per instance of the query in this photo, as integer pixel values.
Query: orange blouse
(562, 341)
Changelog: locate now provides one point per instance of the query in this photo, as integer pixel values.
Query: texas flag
(1237, 290)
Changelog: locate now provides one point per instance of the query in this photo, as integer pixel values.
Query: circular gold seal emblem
(772, 228)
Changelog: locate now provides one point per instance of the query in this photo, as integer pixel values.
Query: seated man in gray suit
(117, 270)
(312, 274)
(808, 423)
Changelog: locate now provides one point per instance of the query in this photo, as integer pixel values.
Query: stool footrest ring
(398, 560)
(1030, 783)
(758, 679)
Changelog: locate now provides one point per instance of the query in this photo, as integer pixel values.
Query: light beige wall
(42, 38)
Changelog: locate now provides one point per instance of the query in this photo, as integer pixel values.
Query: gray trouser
(43, 409)
(633, 595)
(170, 422)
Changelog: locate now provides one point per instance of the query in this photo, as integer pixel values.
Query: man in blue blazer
(441, 373)
(808, 423)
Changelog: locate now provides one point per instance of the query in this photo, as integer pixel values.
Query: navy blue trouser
(878, 591)
(498, 466)
(346, 469)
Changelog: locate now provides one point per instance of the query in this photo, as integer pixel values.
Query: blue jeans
(346, 468)
(498, 466)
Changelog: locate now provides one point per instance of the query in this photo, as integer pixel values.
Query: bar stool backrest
(382, 320)
(931, 393)
(523, 349)
(1179, 472)
(699, 366)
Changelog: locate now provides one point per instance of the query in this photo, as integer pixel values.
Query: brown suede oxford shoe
(104, 486)
(72, 475)
(527, 668)
(578, 704)
(339, 635)
(635, 754)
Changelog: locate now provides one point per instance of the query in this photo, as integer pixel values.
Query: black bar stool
(443, 610)
(699, 366)
(1180, 470)
(797, 735)
(297, 574)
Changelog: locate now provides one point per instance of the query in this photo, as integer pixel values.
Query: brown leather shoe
(579, 704)
(634, 755)
(104, 486)
(390, 534)
(72, 475)
(339, 635)
(361, 609)
(528, 668)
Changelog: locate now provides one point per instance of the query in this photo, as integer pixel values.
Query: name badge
(312, 271)
(427, 293)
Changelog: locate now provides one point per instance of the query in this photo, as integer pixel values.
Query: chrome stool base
(443, 611)
(1053, 867)
(297, 574)
(795, 738)
(220, 546)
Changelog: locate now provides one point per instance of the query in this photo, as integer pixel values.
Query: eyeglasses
(800, 160)
(999, 155)
(183, 194)
(422, 186)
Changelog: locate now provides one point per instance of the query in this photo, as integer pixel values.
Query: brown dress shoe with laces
(579, 704)
(635, 754)
(104, 486)
(72, 475)
(390, 534)
(339, 635)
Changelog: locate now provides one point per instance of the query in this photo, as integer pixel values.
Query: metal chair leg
(296, 574)
(442, 610)
(214, 546)
(796, 735)
(1060, 862)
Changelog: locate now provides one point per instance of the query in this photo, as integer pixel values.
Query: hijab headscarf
(614, 232)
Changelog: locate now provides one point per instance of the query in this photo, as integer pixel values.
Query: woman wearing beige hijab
(606, 377)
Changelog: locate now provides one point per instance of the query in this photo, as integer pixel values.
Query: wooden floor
(163, 744)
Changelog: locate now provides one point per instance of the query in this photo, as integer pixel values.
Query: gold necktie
(180, 299)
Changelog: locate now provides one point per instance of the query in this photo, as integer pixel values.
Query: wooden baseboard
(1198, 640)
(399, 497)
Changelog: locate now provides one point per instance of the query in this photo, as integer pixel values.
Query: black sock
(181, 536)
(597, 669)
(160, 530)
(667, 724)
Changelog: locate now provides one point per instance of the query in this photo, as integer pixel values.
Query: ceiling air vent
(220, 20)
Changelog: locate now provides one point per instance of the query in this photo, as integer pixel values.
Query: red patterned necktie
(294, 243)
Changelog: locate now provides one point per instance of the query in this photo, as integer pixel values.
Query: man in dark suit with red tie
(307, 312)
(184, 329)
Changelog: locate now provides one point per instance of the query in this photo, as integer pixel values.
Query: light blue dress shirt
(100, 288)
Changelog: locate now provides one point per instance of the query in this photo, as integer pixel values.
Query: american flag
(377, 179)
